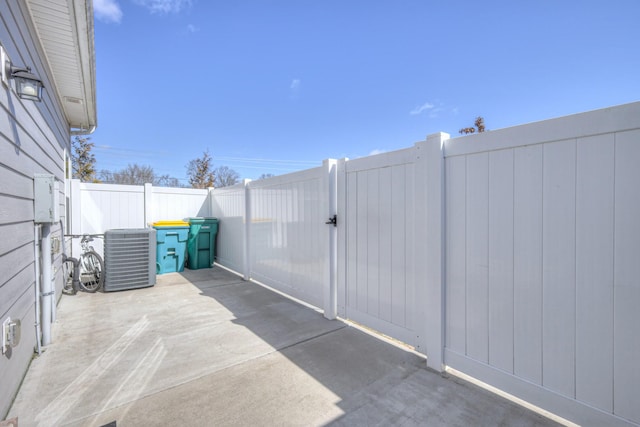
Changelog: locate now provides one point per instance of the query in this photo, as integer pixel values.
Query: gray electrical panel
(129, 259)
(46, 193)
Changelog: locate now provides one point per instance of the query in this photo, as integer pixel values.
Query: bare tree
(200, 171)
(83, 161)
(134, 174)
(225, 176)
(479, 126)
(167, 181)
(105, 176)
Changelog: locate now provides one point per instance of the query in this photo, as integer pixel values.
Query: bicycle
(86, 272)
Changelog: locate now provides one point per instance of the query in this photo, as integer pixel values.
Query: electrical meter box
(46, 192)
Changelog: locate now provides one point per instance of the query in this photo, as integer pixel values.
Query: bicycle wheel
(67, 277)
(91, 271)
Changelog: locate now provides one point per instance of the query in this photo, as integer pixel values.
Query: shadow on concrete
(327, 372)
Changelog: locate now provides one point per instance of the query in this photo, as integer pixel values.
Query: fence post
(331, 247)
(148, 207)
(75, 213)
(430, 291)
(75, 210)
(341, 251)
(246, 241)
(210, 199)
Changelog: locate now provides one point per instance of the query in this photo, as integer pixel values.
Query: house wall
(33, 139)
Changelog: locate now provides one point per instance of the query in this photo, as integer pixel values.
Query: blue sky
(277, 86)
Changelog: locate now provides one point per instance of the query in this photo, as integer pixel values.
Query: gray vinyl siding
(33, 137)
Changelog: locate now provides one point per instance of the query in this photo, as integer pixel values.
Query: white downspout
(36, 259)
(47, 292)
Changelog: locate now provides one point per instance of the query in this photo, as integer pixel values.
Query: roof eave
(66, 33)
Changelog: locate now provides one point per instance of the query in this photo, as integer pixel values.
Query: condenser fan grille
(130, 259)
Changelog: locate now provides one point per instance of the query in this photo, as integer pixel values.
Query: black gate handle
(333, 220)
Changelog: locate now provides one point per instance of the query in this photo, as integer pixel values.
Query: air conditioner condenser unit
(129, 259)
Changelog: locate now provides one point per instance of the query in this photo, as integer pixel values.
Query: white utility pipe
(36, 262)
(54, 302)
(47, 293)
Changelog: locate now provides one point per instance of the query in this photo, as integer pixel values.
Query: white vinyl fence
(273, 231)
(95, 208)
(512, 255)
(229, 205)
(542, 262)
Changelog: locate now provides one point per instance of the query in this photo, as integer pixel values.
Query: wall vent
(129, 259)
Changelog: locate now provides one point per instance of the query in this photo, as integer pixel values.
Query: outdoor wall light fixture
(28, 86)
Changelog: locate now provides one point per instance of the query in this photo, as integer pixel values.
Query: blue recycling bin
(171, 238)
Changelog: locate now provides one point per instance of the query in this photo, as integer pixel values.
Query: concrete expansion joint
(306, 340)
(195, 283)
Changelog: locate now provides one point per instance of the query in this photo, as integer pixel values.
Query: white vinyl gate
(379, 219)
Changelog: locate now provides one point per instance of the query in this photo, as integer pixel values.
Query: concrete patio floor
(204, 348)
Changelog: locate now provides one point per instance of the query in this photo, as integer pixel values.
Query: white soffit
(65, 30)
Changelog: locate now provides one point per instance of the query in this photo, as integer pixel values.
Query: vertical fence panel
(559, 267)
(411, 220)
(527, 263)
(456, 254)
(373, 242)
(399, 252)
(362, 248)
(594, 271)
(501, 259)
(387, 229)
(627, 276)
(351, 241)
(477, 316)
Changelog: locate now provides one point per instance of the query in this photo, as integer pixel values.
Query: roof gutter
(83, 131)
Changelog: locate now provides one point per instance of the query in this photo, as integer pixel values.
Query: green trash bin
(202, 242)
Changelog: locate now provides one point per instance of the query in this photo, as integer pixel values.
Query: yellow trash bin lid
(171, 223)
